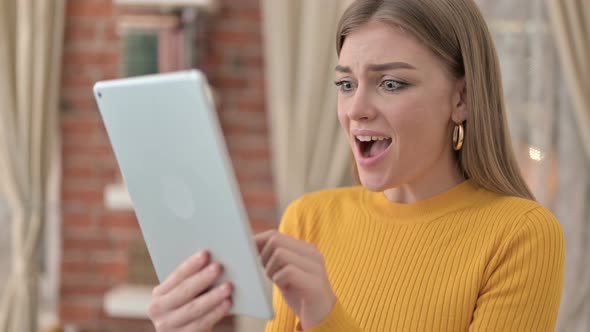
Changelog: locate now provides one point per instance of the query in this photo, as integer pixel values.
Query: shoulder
(522, 222)
(525, 268)
(514, 212)
(511, 205)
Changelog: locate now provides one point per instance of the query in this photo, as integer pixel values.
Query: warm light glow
(536, 154)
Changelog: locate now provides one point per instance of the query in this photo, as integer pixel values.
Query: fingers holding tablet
(186, 299)
(189, 267)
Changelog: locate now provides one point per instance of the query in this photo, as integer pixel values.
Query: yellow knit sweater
(465, 260)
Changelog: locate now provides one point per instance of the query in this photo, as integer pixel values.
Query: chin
(374, 182)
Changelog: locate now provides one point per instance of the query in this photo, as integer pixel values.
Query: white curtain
(570, 21)
(31, 38)
(549, 133)
(4, 242)
(309, 150)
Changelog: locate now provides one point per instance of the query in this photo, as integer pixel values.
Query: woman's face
(396, 102)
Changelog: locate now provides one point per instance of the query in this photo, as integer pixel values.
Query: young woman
(443, 234)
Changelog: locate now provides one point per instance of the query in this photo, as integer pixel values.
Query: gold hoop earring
(458, 136)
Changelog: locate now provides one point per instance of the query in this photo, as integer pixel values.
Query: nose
(361, 107)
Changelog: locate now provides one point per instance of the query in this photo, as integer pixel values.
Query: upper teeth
(371, 138)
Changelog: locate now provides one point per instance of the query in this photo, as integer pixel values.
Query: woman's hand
(298, 270)
(184, 302)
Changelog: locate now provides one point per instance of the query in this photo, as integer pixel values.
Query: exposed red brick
(127, 325)
(80, 125)
(109, 71)
(264, 199)
(79, 32)
(231, 83)
(79, 172)
(76, 220)
(74, 80)
(92, 196)
(245, 177)
(116, 270)
(250, 154)
(237, 129)
(240, 5)
(90, 9)
(246, 15)
(83, 289)
(259, 226)
(69, 267)
(119, 220)
(251, 106)
(89, 150)
(96, 242)
(86, 243)
(112, 33)
(236, 37)
(76, 312)
(82, 104)
(91, 58)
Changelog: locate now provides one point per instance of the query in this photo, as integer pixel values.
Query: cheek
(342, 117)
(418, 126)
(406, 118)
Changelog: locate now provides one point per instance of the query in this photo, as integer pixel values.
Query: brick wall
(96, 242)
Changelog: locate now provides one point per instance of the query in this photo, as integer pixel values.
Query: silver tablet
(170, 149)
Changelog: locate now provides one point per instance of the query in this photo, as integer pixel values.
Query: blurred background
(72, 256)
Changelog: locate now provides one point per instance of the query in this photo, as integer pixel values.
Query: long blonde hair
(456, 32)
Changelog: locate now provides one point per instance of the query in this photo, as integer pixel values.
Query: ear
(460, 110)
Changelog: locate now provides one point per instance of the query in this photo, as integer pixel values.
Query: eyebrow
(378, 67)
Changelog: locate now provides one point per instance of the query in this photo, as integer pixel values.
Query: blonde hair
(457, 33)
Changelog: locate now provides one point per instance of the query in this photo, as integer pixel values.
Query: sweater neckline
(456, 198)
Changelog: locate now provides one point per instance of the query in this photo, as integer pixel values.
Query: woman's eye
(345, 86)
(392, 85)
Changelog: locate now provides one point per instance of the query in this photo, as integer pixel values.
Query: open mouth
(370, 146)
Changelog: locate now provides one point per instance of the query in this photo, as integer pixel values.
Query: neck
(430, 183)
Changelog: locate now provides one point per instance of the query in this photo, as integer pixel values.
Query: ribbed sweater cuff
(337, 320)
